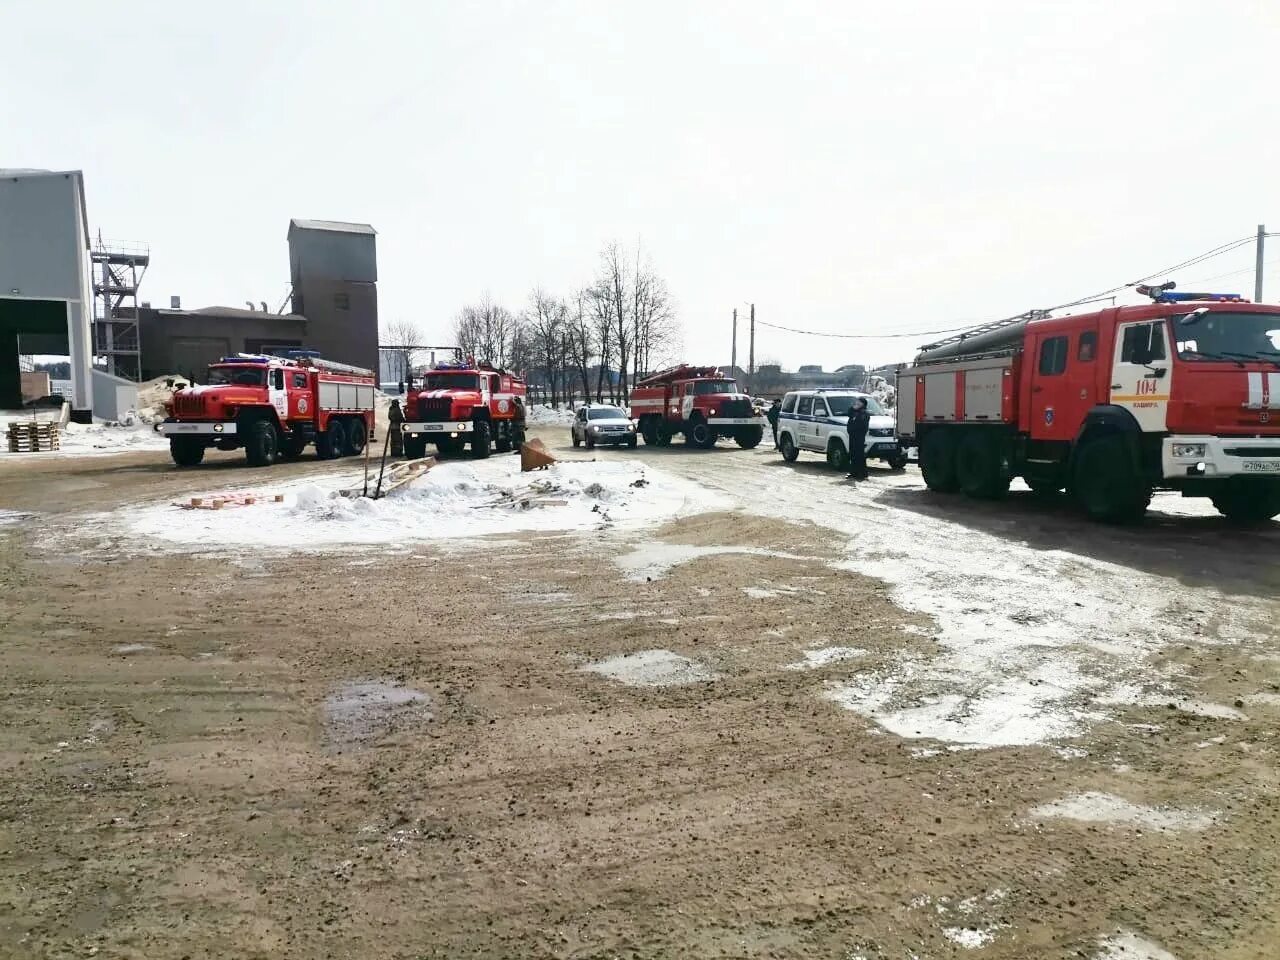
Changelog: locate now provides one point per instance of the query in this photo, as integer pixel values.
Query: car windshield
(242, 376)
(840, 404)
(452, 381)
(1219, 334)
(605, 413)
(715, 386)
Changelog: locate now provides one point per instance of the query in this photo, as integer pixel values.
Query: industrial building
(185, 342)
(334, 271)
(46, 297)
(62, 295)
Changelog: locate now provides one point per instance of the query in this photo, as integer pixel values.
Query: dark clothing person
(395, 417)
(859, 422)
(772, 415)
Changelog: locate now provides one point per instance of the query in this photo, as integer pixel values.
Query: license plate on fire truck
(1260, 466)
(736, 421)
(443, 427)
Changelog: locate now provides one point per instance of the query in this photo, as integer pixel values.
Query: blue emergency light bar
(246, 358)
(298, 353)
(1170, 297)
(444, 365)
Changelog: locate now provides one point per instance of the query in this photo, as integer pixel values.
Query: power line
(1092, 298)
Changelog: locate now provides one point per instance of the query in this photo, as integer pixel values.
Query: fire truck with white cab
(1180, 394)
(453, 404)
(273, 407)
(699, 402)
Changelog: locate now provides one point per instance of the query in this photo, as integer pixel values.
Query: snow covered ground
(97, 439)
(545, 415)
(459, 499)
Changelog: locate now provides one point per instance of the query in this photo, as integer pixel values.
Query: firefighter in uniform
(395, 417)
(859, 421)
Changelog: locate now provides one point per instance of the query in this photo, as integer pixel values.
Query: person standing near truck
(395, 417)
(859, 421)
(772, 416)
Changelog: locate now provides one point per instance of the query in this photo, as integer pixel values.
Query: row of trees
(596, 342)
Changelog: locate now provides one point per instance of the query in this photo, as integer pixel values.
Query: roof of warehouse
(237, 312)
(336, 226)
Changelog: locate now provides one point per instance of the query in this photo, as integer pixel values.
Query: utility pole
(733, 361)
(751, 355)
(1257, 268)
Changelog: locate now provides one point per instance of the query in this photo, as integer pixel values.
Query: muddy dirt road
(793, 718)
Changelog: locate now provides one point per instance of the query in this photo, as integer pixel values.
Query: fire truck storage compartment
(940, 395)
(345, 396)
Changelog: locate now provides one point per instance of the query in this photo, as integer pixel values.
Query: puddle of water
(1096, 807)
(652, 668)
(361, 711)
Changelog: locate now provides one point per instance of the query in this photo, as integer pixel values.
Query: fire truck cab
(1182, 393)
(453, 404)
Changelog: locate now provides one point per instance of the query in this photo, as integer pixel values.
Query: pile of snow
(133, 432)
(652, 668)
(454, 500)
(1095, 807)
(1127, 945)
(545, 415)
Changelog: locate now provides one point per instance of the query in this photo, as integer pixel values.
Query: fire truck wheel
(358, 435)
(938, 462)
(260, 444)
(749, 437)
(788, 448)
(1107, 481)
(186, 451)
(1248, 504)
(480, 440)
(649, 430)
(415, 448)
(701, 434)
(978, 467)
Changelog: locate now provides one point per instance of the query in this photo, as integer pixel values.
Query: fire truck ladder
(990, 327)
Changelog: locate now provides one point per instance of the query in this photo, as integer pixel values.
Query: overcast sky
(855, 167)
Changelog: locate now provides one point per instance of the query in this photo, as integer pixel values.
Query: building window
(1053, 356)
(342, 301)
(1087, 348)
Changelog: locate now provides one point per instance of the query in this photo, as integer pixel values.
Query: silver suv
(602, 423)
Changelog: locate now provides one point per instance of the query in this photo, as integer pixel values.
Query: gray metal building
(46, 296)
(186, 341)
(334, 270)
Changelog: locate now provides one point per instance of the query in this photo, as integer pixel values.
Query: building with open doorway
(46, 293)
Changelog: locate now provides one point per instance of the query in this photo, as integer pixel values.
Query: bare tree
(489, 333)
(545, 324)
(611, 297)
(398, 340)
(580, 343)
(654, 330)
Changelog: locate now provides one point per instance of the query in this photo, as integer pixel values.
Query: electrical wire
(1091, 298)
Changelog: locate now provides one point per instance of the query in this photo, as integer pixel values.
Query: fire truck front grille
(435, 408)
(1251, 451)
(735, 408)
(186, 404)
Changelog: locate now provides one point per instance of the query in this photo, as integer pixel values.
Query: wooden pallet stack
(33, 436)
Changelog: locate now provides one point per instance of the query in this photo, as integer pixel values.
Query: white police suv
(817, 420)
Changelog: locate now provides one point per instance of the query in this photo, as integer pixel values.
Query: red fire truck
(700, 402)
(272, 406)
(456, 403)
(1182, 393)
